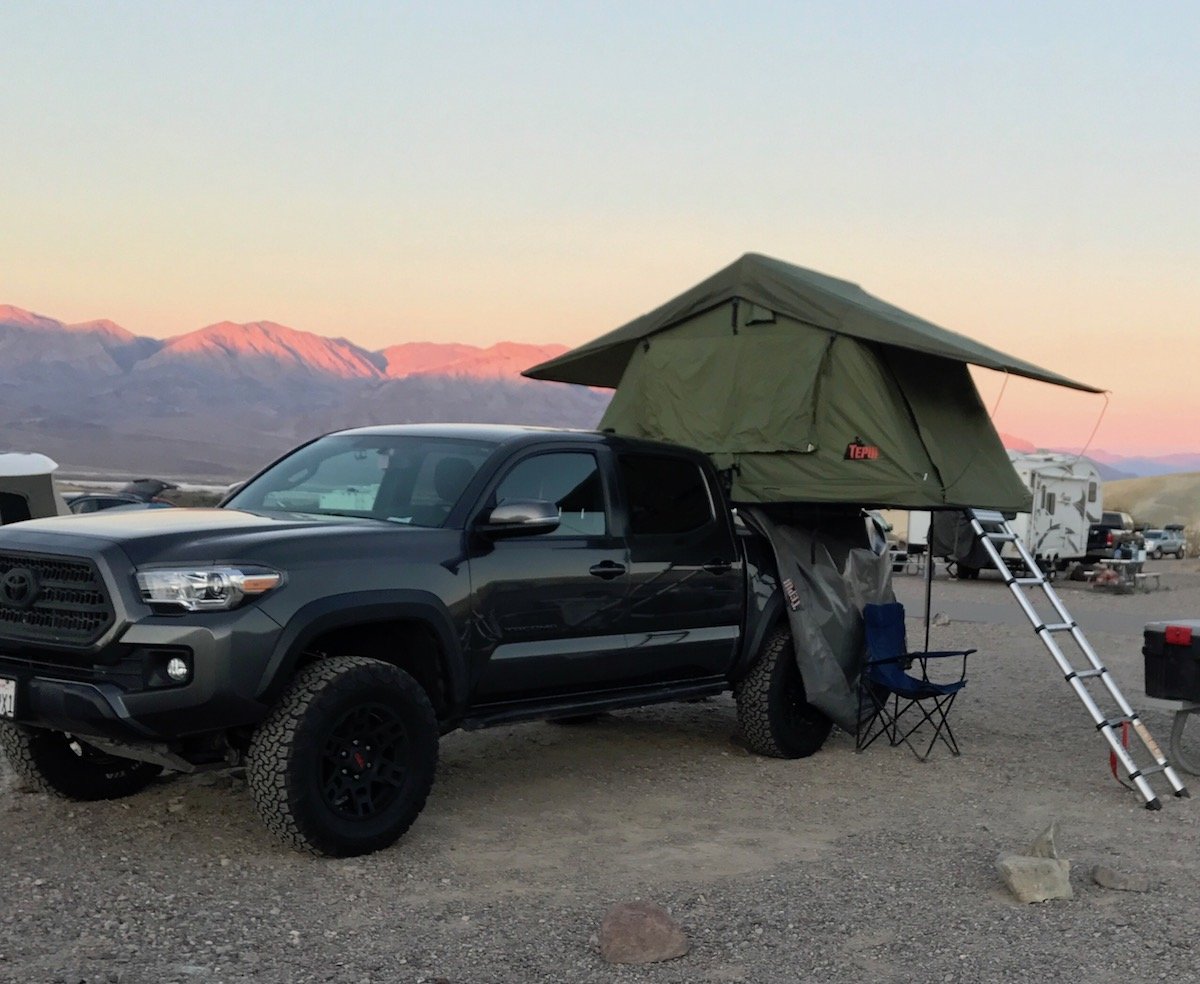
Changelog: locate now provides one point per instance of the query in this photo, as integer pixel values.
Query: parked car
(90, 502)
(141, 493)
(374, 590)
(1112, 537)
(1166, 541)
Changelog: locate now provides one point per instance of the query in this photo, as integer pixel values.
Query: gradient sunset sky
(1027, 174)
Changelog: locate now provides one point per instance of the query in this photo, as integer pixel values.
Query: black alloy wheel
(364, 764)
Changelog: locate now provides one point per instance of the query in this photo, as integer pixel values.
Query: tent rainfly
(808, 389)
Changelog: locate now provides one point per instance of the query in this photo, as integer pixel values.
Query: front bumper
(121, 693)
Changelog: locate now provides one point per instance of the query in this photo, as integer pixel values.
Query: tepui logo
(856, 450)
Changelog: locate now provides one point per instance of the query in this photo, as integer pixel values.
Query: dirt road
(842, 867)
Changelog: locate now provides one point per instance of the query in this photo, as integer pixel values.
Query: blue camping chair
(894, 702)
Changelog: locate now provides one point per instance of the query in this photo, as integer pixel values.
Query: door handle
(717, 566)
(607, 569)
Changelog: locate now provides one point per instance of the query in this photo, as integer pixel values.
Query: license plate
(8, 698)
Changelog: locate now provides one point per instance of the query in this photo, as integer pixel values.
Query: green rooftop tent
(808, 389)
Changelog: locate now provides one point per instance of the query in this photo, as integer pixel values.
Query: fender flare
(756, 633)
(357, 608)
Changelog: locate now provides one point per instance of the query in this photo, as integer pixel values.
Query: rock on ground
(1035, 879)
(1043, 845)
(640, 933)
(1118, 881)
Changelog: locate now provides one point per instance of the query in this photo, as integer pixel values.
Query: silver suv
(1168, 541)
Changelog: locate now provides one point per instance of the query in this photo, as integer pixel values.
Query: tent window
(1092, 491)
(664, 494)
(1051, 502)
(13, 508)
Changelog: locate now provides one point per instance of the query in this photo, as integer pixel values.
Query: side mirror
(521, 517)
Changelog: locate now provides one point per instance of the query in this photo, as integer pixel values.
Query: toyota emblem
(19, 587)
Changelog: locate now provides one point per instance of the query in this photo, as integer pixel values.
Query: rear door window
(665, 494)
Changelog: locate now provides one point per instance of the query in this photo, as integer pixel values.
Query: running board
(490, 715)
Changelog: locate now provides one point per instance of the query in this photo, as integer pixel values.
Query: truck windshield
(392, 478)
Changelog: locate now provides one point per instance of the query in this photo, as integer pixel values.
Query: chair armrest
(937, 654)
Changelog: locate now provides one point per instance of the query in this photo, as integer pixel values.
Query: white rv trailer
(1068, 497)
(908, 536)
(27, 489)
(909, 528)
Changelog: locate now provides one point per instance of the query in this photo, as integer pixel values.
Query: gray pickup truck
(372, 591)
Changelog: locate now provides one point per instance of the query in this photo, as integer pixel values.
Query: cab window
(570, 480)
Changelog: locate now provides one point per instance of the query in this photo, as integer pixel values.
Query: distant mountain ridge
(231, 344)
(225, 398)
(1112, 466)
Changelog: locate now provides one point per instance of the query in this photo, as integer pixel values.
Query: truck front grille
(54, 600)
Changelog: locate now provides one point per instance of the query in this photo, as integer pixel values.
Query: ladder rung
(1055, 627)
(1148, 771)
(1084, 674)
(1113, 722)
(1001, 537)
(1028, 582)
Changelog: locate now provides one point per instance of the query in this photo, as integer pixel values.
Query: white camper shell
(27, 488)
(1068, 497)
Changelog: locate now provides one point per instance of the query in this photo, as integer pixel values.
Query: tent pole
(928, 584)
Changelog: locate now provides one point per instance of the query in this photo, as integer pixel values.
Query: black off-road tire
(304, 798)
(1158, 554)
(773, 712)
(63, 766)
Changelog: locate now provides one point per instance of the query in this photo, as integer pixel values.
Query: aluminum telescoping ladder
(992, 530)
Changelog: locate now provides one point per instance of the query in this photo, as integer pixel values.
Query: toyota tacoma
(371, 591)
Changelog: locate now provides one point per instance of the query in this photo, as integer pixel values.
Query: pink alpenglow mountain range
(261, 343)
(222, 400)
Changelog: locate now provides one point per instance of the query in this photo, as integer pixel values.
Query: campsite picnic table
(1130, 575)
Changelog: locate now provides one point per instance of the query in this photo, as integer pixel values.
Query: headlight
(205, 589)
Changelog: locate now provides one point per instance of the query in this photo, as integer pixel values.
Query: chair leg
(939, 719)
(874, 720)
(903, 736)
(883, 716)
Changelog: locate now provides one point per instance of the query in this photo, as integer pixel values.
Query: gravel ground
(841, 867)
